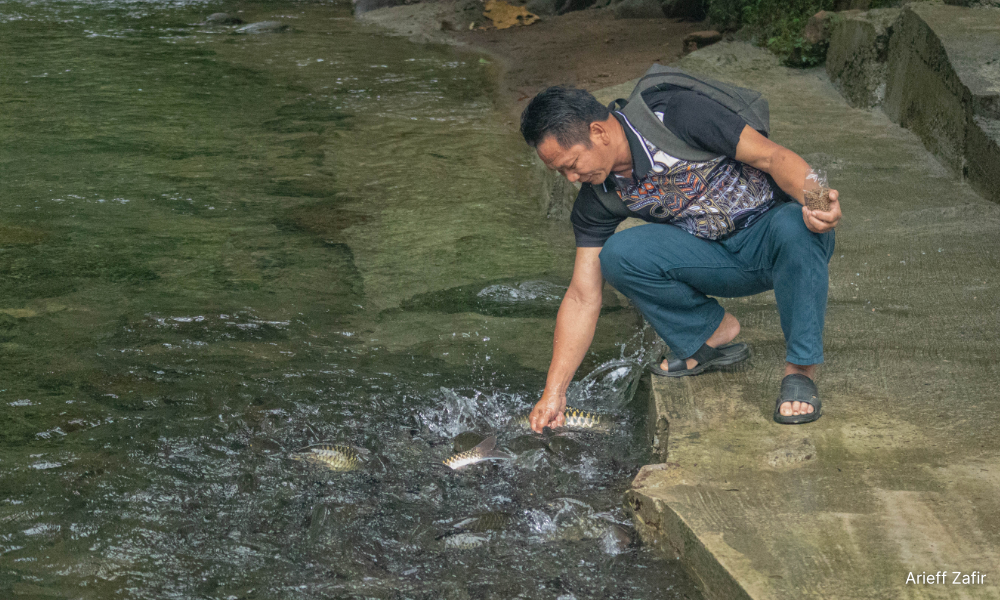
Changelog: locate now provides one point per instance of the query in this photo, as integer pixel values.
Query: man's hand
(575, 326)
(821, 221)
(549, 412)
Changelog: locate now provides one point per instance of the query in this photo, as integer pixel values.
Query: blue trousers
(670, 275)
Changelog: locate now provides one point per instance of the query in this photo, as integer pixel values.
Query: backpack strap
(608, 195)
(652, 128)
(748, 104)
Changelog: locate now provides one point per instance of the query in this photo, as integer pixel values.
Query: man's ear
(599, 133)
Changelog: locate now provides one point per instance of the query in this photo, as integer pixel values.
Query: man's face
(578, 163)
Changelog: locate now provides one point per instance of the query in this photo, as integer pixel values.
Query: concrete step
(934, 69)
(899, 476)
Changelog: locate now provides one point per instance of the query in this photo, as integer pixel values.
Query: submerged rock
(221, 18)
(263, 27)
(501, 299)
(363, 6)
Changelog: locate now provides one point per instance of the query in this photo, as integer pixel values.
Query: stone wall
(934, 69)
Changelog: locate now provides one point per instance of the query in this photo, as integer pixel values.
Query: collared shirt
(711, 199)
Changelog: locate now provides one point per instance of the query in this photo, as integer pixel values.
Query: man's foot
(794, 409)
(724, 333)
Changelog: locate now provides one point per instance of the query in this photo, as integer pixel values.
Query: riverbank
(895, 480)
(588, 48)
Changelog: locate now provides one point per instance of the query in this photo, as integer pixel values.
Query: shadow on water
(217, 250)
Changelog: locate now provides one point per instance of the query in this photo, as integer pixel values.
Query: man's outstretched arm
(575, 326)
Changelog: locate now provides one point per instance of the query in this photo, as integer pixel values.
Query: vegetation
(777, 24)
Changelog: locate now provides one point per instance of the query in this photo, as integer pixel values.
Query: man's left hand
(821, 221)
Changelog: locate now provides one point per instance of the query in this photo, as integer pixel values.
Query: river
(216, 249)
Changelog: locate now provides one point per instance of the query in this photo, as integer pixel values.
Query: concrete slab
(858, 56)
(944, 70)
(901, 476)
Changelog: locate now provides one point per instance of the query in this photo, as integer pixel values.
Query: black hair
(563, 112)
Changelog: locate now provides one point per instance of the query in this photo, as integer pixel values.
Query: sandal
(798, 388)
(709, 359)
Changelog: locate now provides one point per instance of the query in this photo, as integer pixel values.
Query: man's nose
(572, 177)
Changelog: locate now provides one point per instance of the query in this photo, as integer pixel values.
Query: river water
(216, 249)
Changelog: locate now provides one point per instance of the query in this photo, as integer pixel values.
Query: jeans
(669, 275)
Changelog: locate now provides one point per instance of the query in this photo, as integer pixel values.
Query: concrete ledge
(934, 69)
(857, 59)
(899, 476)
(924, 92)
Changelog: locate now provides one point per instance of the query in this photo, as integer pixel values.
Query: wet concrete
(900, 474)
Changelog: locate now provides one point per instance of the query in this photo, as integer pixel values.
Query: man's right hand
(575, 326)
(549, 412)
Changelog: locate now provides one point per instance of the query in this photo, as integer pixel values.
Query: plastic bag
(816, 190)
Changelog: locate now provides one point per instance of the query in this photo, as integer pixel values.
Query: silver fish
(484, 451)
(335, 457)
(575, 419)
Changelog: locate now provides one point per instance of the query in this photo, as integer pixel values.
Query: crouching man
(726, 218)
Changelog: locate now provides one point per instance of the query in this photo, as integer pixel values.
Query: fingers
(547, 413)
(821, 221)
(540, 418)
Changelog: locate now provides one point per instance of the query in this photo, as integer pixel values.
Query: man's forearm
(575, 327)
(789, 171)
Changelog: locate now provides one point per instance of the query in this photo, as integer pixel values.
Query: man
(727, 226)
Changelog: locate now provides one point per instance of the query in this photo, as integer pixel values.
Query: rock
(973, 3)
(693, 10)
(840, 5)
(544, 7)
(700, 39)
(363, 6)
(638, 9)
(263, 27)
(221, 18)
(817, 29)
(572, 5)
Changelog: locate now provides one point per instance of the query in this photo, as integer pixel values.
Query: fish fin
(487, 445)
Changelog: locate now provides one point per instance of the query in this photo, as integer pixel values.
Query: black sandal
(798, 388)
(709, 359)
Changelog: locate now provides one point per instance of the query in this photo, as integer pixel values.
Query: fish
(480, 524)
(484, 451)
(336, 457)
(575, 419)
(491, 521)
(464, 541)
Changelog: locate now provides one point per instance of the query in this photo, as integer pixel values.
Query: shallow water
(216, 249)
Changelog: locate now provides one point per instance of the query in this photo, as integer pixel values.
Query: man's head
(573, 133)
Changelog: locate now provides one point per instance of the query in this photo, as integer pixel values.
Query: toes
(794, 409)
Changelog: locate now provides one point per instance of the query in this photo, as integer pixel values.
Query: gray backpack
(750, 105)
